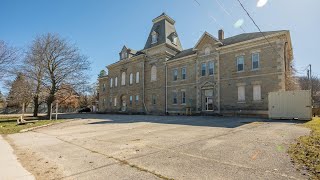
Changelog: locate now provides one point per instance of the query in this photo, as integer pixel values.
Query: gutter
(166, 89)
(143, 94)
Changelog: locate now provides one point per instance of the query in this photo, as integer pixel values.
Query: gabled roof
(184, 53)
(209, 35)
(247, 36)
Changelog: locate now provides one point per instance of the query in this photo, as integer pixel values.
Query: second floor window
(240, 63)
(104, 87)
(137, 77)
(131, 78)
(111, 82)
(175, 74)
(116, 81)
(184, 73)
(123, 78)
(211, 68)
(255, 61)
(153, 73)
(203, 69)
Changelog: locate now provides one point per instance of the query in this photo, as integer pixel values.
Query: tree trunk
(36, 105)
(49, 102)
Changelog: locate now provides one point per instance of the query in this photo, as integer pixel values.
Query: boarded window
(137, 77)
(255, 61)
(211, 68)
(240, 63)
(184, 73)
(203, 69)
(256, 92)
(153, 73)
(116, 81)
(241, 93)
(131, 78)
(123, 78)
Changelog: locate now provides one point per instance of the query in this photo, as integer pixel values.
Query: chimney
(221, 34)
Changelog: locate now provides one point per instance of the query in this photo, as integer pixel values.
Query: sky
(100, 28)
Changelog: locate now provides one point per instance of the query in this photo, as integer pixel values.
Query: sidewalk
(10, 168)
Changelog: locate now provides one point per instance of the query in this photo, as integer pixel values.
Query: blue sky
(100, 28)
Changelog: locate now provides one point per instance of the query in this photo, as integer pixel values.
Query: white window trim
(238, 63)
(185, 73)
(254, 69)
(131, 79)
(123, 78)
(116, 81)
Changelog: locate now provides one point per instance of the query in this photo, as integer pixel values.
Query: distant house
(216, 75)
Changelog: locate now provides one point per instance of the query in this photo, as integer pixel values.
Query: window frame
(174, 98)
(209, 63)
(183, 97)
(137, 99)
(123, 78)
(137, 77)
(238, 59)
(131, 78)
(115, 102)
(203, 69)
(116, 82)
(154, 37)
(175, 74)
(153, 73)
(241, 95)
(153, 99)
(184, 75)
(130, 99)
(254, 94)
(258, 60)
(111, 82)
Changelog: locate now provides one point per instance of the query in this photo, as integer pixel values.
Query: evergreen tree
(20, 92)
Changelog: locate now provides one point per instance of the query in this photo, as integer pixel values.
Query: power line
(258, 28)
(213, 18)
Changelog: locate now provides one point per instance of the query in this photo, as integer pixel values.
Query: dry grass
(305, 153)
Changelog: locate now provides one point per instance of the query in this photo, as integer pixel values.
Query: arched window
(111, 82)
(116, 81)
(123, 78)
(207, 51)
(130, 78)
(137, 77)
(154, 37)
(153, 73)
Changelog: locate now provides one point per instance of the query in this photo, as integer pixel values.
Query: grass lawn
(8, 125)
(305, 153)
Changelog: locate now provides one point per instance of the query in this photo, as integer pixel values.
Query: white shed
(290, 105)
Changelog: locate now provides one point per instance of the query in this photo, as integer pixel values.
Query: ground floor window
(130, 98)
(115, 101)
(241, 93)
(137, 99)
(183, 97)
(174, 98)
(153, 99)
(256, 92)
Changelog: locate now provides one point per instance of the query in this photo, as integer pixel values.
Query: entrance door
(209, 104)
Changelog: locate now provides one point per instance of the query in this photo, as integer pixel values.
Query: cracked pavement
(101, 146)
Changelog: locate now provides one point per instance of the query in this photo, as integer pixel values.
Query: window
(124, 55)
(153, 99)
(211, 68)
(130, 78)
(174, 40)
(130, 100)
(137, 99)
(123, 78)
(104, 87)
(153, 73)
(174, 98)
(183, 97)
(175, 74)
(115, 101)
(240, 63)
(207, 51)
(256, 92)
(241, 93)
(103, 102)
(184, 73)
(255, 61)
(154, 37)
(111, 82)
(116, 81)
(203, 69)
(137, 77)
(110, 101)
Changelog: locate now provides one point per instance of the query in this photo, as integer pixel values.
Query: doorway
(209, 104)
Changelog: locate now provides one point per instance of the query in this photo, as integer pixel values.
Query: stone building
(217, 75)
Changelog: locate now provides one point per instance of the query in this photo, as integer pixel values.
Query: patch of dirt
(35, 163)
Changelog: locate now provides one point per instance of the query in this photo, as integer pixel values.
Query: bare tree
(305, 84)
(8, 57)
(34, 69)
(63, 64)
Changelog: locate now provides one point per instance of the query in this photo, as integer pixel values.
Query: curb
(37, 127)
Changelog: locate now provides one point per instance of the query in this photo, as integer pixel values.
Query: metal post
(57, 110)
(22, 117)
(50, 111)
(311, 89)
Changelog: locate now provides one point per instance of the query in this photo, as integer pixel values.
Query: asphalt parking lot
(93, 146)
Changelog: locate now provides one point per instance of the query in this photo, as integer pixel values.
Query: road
(94, 146)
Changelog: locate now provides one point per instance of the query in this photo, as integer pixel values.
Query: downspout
(219, 83)
(143, 94)
(166, 88)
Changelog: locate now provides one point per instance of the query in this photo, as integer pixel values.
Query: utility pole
(311, 89)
